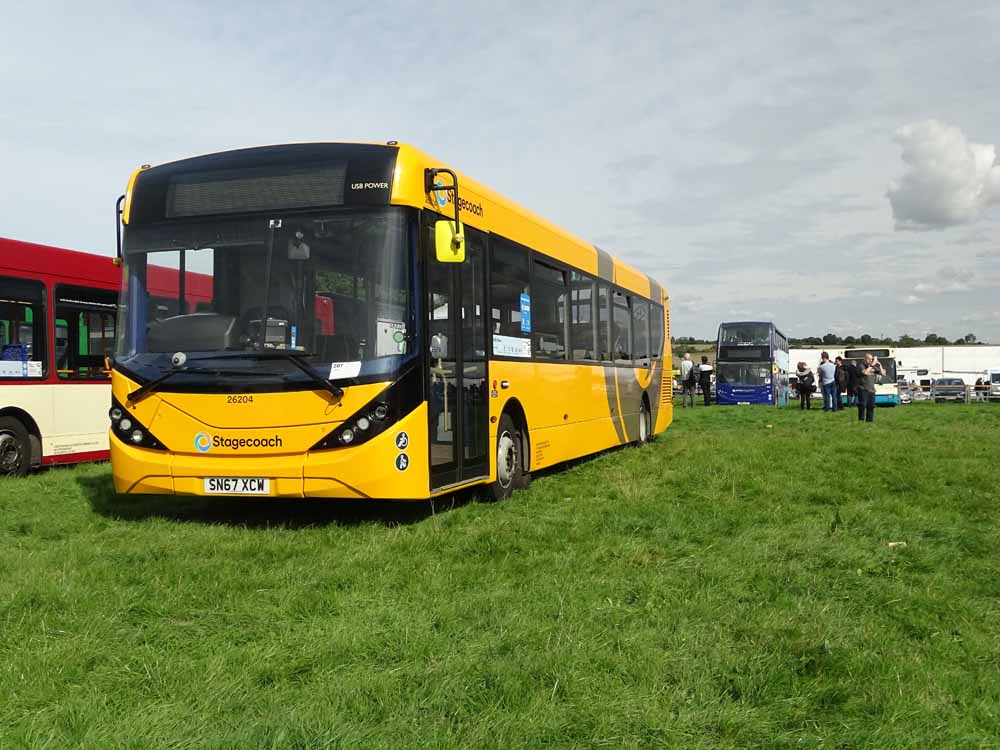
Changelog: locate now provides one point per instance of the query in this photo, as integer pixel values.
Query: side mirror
(449, 242)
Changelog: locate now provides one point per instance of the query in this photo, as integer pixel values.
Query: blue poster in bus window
(525, 313)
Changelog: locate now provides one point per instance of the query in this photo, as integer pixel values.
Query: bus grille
(667, 385)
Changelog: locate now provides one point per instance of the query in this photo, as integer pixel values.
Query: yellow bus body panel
(300, 419)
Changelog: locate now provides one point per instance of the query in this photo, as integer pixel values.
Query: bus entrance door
(458, 410)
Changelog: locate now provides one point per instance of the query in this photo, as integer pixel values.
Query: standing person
(827, 379)
(852, 383)
(870, 370)
(687, 380)
(805, 384)
(841, 379)
(980, 389)
(705, 379)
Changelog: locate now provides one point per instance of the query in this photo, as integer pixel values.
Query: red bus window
(85, 331)
(22, 320)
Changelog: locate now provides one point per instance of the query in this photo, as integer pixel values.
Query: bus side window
(621, 329)
(656, 330)
(22, 313)
(640, 332)
(548, 312)
(85, 331)
(582, 328)
(604, 323)
(510, 292)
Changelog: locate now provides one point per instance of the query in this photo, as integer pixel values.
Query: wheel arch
(513, 408)
(34, 434)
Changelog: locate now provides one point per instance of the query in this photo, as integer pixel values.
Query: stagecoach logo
(441, 196)
(444, 197)
(203, 442)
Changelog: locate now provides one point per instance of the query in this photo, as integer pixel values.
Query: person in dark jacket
(806, 385)
(853, 376)
(705, 379)
(868, 375)
(841, 378)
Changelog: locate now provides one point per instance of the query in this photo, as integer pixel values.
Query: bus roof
(71, 266)
(751, 323)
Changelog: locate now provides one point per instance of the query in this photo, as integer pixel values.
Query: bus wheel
(15, 451)
(509, 459)
(643, 423)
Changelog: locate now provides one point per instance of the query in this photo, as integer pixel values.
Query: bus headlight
(130, 430)
(374, 418)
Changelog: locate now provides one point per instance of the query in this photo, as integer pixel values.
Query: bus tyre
(510, 475)
(643, 435)
(15, 450)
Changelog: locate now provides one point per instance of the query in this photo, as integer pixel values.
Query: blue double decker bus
(751, 364)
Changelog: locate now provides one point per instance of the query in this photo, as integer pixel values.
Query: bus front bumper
(367, 470)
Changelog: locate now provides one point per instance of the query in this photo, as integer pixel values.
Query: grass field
(754, 578)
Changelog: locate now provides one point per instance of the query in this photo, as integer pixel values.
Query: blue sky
(743, 153)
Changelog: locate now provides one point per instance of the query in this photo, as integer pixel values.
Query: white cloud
(949, 279)
(949, 180)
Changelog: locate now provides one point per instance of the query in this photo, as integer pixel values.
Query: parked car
(948, 389)
(994, 381)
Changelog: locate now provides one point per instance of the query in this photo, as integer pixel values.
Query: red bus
(57, 322)
(58, 312)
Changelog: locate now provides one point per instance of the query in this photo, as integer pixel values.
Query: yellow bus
(378, 326)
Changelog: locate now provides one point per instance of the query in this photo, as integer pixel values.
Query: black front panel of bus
(744, 353)
(269, 178)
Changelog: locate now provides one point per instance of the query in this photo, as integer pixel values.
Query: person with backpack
(806, 385)
(705, 379)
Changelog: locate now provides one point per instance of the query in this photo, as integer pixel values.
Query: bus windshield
(745, 334)
(336, 287)
(888, 369)
(744, 373)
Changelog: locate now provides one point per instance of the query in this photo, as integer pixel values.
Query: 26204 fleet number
(239, 399)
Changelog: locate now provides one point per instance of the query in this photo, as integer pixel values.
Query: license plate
(237, 486)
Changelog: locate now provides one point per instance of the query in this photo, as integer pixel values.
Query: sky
(829, 166)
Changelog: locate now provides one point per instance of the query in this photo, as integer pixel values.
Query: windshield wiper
(294, 358)
(144, 390)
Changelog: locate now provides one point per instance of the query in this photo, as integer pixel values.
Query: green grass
(754, 578)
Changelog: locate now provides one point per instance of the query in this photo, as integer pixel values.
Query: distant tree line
(865, 339)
